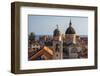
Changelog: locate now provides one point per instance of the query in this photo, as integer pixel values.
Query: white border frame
(25, 64)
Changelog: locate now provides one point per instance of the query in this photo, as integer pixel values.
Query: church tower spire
(70, 23)
(57, 44)
(57, 26)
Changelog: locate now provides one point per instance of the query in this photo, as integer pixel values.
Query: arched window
(57, 47)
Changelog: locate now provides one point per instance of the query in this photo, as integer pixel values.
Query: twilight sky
(45, 25)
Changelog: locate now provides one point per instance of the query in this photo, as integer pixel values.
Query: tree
(32, 36)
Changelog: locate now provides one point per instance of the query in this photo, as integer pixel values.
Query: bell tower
(57, 44)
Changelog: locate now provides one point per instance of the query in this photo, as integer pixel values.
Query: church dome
(56, 32)
(70, 29)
